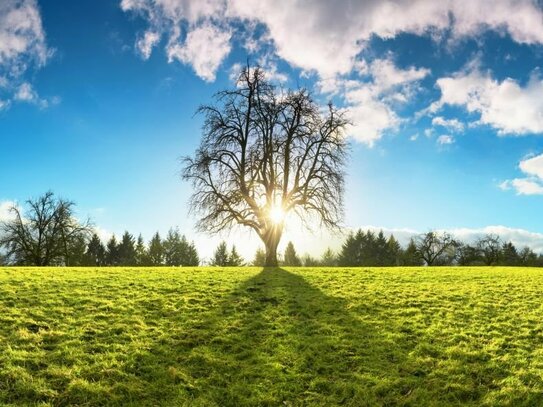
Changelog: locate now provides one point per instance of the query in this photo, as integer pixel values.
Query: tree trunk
(272, 241)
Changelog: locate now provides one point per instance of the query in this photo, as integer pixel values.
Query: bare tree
(433, 247)
(44, 233)
(265, 153)
(490, 248)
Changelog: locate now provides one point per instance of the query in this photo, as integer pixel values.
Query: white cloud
(506, 106)
(451, 124)
(533, 166)
(339, 30)
(22, 45)
(532, 184)
(147, 42)
(445, 139)
(371, 102)
(326, 37)
(5, 213)
(204, 49)
(26, 93)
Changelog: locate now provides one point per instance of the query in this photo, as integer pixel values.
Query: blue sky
(97, 103)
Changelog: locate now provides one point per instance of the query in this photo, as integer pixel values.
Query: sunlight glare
(277, 215)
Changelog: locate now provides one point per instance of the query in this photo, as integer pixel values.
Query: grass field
(290, 337)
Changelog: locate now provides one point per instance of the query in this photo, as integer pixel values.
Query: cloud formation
(22, 46)
(506, 106)
(532, 183)
(329, 38)
(326, 37)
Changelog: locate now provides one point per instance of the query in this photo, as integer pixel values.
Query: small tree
(265, 154)
(434, 248)
(192, 258)
(220, 257)
(329, 258)
(235, 259)
(156, 251)
(127, 250)
(141, 252)
(260, 258)
(410, 256)
(291, 257)
(112, 252)
(96, 252)
(489, 248)
(509, 255)
(43, 232)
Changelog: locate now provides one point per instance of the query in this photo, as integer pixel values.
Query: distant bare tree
(44, 233)
(490, 247)
(433, 247)
(265, 153)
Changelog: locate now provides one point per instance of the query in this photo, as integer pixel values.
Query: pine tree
(350, 251)
(141, 252)
(220, 257)
(509, 255)
(411, 256)
(380, 250)
(75, 247)
(173, 248)
(309, 261)
(329, 258)
(394, 252)
(127, 250)
(112, 252)
(96, 252)
(192, 258)
(260, 258)
(156, 251)
(235, 260)
(291, 258)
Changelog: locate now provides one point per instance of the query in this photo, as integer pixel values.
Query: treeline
(369, 249)
(47, 233)
(174, 250)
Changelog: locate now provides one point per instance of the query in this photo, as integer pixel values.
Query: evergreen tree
(174, 249)
(291, 258)
(75, 247)
(96, 252)
(350, 251)
(112, 252)
(411, 255)
(192, 258)
(393, 252)
(127, 250)
(156, 251)
(220, 257)
(329, 258)
(309, 261)
(260, 258)
(379, 253)
(509, 255)
(235, 260)
(527, 257)
(141, 252)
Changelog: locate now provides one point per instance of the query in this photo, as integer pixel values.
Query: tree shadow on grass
(275, 340)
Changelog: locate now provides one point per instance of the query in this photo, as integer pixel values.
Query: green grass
(292, 337)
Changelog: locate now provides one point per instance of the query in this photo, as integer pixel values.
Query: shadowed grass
(236, 337)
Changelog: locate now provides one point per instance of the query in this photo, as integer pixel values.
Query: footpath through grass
(291, 337)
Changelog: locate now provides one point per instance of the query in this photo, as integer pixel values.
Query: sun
(277, 214)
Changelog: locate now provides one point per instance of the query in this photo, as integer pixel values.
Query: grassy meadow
(289, 337)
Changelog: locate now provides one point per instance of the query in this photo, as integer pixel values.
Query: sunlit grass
(446, 336)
